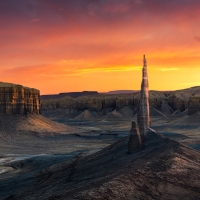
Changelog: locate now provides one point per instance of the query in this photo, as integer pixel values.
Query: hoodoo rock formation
(143, 116)
(134, 138)
(16, 99)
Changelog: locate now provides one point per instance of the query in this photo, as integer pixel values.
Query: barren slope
(160, 169)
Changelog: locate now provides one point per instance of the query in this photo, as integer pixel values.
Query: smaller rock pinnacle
(134, 138)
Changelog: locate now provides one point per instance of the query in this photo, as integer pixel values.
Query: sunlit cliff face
(59, 46)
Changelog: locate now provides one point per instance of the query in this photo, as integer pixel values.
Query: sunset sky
(75, 45)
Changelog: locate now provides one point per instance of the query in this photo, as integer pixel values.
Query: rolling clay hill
(166, 102)
(160, 169)
(13, 126)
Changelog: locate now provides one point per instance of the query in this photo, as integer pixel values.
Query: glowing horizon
(66, 46)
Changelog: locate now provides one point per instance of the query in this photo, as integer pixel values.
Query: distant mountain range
(71, 94)
(121, 91)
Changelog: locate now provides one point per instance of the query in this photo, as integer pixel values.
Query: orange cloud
(79, 45)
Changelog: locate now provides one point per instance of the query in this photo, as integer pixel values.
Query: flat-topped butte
(17, 99)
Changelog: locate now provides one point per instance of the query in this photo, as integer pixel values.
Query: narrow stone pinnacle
(134, 139)
(143, 117)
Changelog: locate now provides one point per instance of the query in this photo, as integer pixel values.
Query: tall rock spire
(143, 117)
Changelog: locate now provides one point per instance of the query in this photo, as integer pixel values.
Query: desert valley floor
(38, 151)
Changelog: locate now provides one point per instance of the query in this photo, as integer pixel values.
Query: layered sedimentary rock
(95, 103)
(194, 104)
(134, 139)
(177, 101)
(101, 102)
(16, 99)
(143, 116)
(165, 102)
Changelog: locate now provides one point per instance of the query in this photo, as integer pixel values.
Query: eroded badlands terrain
(82, 153)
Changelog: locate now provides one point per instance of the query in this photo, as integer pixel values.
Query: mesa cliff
(167, 102)
(17, 99)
